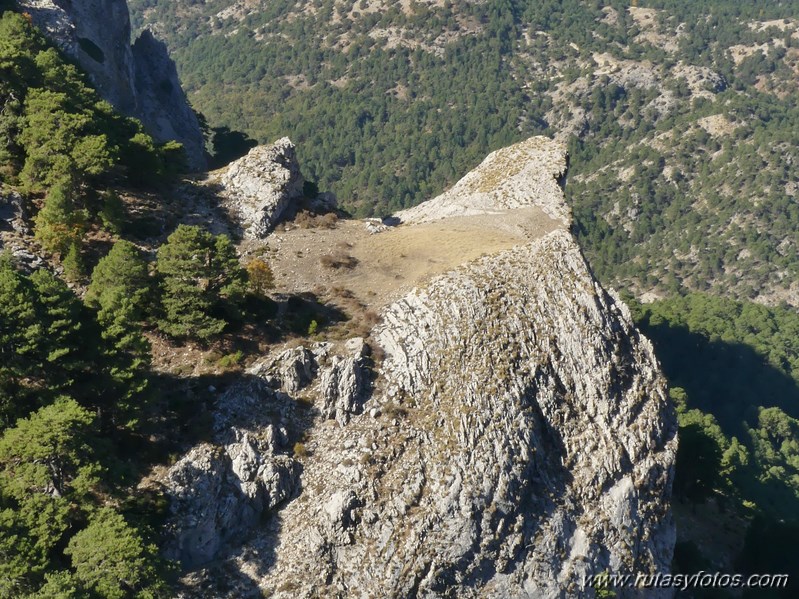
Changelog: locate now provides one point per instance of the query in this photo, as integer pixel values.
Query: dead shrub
(341, 292)
(300, 450)
(260, 277)
(308, 220)
(304, 220)
(327, 221)
(378, 353)
(338, 259)
(371, 318)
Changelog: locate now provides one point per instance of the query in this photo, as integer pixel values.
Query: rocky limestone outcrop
(259, 187)
(340, 373)
(344, 382)
(517, 439)
(219, 491)
(139, 81)
(290, 370)
(162, 104)
(525, 174)
(15, 230)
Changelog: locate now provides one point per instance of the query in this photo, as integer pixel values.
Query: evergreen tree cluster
(60, 140)
(74, 379)
(67, 386)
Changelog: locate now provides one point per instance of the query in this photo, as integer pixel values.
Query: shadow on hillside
(229, 146)
(728, 380)
(151, 216)
(178, 416)
(297, 313)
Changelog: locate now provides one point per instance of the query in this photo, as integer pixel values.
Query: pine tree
(60, 224)
(121, 273)
(21, 334)
(120, 291)
(64, 350)
(125, 353)
(60, 141)
(73, 263)
(59, 585)
(48, 470)
(202, 282)
(111, 558)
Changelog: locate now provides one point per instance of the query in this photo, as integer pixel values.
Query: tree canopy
(202, 282)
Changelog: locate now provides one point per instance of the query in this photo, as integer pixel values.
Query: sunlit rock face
(504, 431)
(260, 187)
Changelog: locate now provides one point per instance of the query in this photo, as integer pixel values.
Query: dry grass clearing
(378, 268)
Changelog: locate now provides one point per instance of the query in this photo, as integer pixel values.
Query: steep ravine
(515, 437)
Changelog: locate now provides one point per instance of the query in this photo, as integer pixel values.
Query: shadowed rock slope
(515, 437)
(140, 80)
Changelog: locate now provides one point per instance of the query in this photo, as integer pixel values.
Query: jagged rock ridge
(517, 437)
(139, 80)
(521, 175)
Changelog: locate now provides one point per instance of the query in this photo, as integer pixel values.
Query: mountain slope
(679, 117)
(139, 80)
(516, 438)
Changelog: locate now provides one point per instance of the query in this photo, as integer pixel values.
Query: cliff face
(515, 437)
(139, 81)
(162, 104)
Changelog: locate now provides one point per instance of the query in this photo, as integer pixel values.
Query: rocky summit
(502, 431)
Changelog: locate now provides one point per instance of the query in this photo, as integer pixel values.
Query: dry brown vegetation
(308, 220)
(338, 259)
(370, 270)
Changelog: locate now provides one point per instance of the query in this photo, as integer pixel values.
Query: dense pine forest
(680, 119)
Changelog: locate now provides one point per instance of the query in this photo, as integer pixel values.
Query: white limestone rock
(343, 382)
(259, 187)
(219, 491)
(290, 370)
(517, 438)
(524, 174)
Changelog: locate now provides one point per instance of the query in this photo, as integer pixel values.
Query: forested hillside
(83, 414)
(679, 116)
